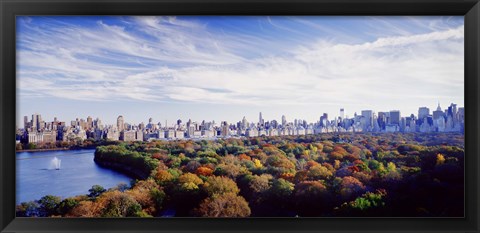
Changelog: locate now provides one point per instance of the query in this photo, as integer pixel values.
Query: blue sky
(223, 67)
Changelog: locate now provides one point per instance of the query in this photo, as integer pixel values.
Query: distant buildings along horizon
(37, 130)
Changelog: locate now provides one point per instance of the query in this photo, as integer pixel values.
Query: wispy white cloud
(169, 59)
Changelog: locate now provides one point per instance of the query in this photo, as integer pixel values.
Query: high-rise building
(89, 122)
(284, 121)
(112, 134)
(274, 124)
(324, 119)
(368, 115)
(423, 112)
(260, 119)
(25, 122)
(403, 124)
(128, 136)
(40, 122)
(342, 113)
(98, 124)
(244, 123)
(452, 111)
(120, 123)
(382, 119)
(438, 113)
(409, 120)
(83, 124)
(190, 129)
(34, 122)
(395, 117)
(224, 131)
(461, 114)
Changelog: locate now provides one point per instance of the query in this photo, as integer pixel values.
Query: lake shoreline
(36, 176)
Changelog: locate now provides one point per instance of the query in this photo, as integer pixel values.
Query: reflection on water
(36, 177)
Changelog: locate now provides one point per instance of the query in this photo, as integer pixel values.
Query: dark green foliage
(48, 205)
(31, 146)
(67, 205)
(28, 209)
(95, 191)
(139, 163)
(122, 206)
(159, 197)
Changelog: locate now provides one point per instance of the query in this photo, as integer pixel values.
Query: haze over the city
(223, 68)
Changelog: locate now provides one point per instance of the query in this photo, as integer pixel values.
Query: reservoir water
(63, 173)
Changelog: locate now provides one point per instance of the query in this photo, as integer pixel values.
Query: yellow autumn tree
(440, 159)
(257, 163)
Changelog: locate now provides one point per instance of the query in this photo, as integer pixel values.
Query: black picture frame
(11, 8)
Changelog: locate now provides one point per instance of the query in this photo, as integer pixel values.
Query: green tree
(220, 185)
(121, 187)
(31, 146)
(281, 189)
(95, 191)
(189, 182)
(369, 200)
(158, 196)
(67, 205)
(28, 209)
(319, 172)
(48, 205)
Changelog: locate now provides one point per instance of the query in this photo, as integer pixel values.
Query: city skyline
(222, 68)
(39, 130)
(422, 112)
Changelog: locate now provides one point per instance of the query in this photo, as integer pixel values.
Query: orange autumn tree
(204, 171)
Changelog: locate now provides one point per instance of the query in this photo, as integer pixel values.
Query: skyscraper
(41, 122)
(452, 111)
(438, 113)
(461, 114)
(89, 122)
(368, 115)
(395, 117)
(423, 112)
(284, 120)
(120, 123)
(342, 113)
(224, 130)
(260, 119)
(324, 119)
(34, 124)
(98, 123)
(25, 122)
(382, 119)
(244, 123)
